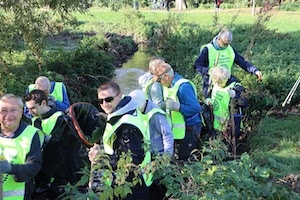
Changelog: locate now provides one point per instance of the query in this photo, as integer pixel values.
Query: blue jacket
(189, 104)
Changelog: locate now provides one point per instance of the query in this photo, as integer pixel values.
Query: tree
(180, 5)
(27, 21)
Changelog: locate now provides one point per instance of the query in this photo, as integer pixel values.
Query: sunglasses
(108, 99)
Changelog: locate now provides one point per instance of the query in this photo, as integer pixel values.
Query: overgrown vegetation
(209, 176)
(85, 58)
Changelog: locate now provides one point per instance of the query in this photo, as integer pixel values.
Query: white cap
(139, 97)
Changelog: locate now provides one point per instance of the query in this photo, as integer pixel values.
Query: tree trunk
(180, 5)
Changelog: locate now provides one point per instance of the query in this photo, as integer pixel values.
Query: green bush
(290, 6)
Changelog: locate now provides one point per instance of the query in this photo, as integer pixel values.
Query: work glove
(259, 75)
(232, 93)
(207, 101)
(172, 105)
(5, 167)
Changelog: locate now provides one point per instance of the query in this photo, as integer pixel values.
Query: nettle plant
(209, 174)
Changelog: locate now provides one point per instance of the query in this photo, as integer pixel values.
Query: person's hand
(93, 153)
(5, 167)
(172, 105)
(207, 101)
(259, 75)
(232, 93)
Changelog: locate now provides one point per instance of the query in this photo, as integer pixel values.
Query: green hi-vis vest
(57, 92)
(48, 124)
(109, 137)
(177, 119)
(146, 88)
(220, 100)
(147, 116)
(225, 59)
(15, 151)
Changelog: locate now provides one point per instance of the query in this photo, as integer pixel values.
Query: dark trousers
(157, 191)
(184, 147)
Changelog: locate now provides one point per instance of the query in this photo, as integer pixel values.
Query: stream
(127, 76)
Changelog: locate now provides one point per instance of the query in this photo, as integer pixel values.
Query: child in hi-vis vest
(225, 99)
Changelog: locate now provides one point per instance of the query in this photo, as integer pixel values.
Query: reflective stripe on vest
(177, 119)
(226, 56)
(57, 92)
(137, 121)
(15, 151)
(220, 100)
(14, 194)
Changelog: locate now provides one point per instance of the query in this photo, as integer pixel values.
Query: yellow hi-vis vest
(48, 124)
(177, 119)
(147, 116)
(15, 150)
(220, 100)
(146, 88)
(225, 59)
(57, 92)
(137, 121)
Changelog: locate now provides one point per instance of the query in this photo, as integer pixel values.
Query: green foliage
(208, 176)
(290, 6)
(83, 69)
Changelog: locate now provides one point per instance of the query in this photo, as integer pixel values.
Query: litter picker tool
(291, 93)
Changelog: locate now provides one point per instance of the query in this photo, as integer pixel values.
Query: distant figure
(135, 5)
(218, 3)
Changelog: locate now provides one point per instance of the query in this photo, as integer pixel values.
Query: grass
(278, 138)
(202, 17)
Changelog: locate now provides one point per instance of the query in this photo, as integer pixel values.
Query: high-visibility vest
(137, 121)
(57, 92)
(225, 58)
(15, 150)
(220, 100)
(177, 119)
(48, 124)
(146, 88)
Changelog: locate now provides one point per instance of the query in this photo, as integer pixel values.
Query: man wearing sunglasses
(220, 53)
(182, 108)
(124, 132)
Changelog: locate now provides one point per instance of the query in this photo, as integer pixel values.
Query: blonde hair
(219, 75)
(154, 63)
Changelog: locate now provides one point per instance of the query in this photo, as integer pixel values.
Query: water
(127, 76)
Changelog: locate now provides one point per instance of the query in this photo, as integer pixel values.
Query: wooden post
(253, 7)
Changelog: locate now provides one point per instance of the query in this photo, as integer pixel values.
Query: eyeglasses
(108, 99)
(160, 77)
(6, 111)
